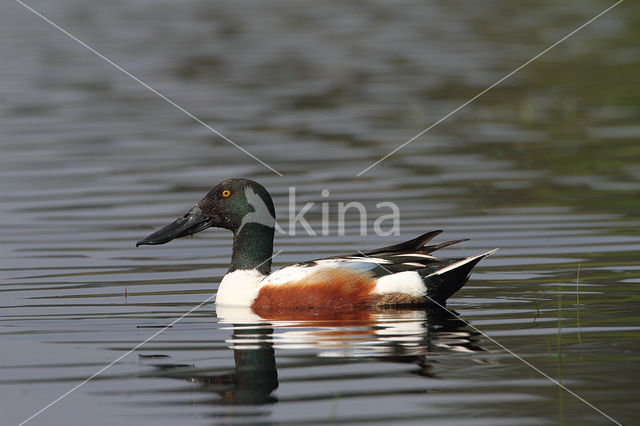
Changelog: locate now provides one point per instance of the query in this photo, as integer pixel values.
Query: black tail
(443, 283)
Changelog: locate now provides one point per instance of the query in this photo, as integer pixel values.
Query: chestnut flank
(326, 289)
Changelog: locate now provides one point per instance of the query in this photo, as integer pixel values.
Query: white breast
(239, 288)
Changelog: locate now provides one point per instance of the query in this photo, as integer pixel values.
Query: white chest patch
(408, 282)
(239, 288)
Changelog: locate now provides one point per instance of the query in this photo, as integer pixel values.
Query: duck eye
(226, 193)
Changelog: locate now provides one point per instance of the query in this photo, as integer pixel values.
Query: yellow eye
(226, 193)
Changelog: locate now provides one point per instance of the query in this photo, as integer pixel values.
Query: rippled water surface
(545, 166)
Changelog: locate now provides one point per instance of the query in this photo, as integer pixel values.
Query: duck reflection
(403, 336)
(254, 377)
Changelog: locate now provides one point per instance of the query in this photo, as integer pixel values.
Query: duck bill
(189, 224)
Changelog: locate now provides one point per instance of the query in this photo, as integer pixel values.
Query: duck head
(236, 204)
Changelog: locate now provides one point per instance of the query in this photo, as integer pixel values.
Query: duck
(405, 274)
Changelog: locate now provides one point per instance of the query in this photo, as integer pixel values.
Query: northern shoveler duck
(399, 275)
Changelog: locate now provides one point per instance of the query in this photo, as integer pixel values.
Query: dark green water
(545, 166)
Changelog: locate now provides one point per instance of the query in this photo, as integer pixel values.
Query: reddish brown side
(328, 289)
(320, 318)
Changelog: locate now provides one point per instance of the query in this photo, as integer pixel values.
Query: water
(545, 166)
